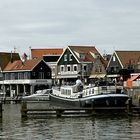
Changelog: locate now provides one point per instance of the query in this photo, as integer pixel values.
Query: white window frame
(65, 57)
(68, 66)
(70, 57)
(62, 67)
(114, 58)
(76, 67)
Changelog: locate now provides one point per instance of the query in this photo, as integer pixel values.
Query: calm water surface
(111, 126)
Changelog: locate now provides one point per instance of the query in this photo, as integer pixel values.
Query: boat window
(65, 92)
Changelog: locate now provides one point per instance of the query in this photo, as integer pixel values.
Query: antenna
(29, 52)
(15, 49)
(11, 57)
(104, 52)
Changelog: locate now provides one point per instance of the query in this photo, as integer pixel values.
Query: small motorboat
(39, 95)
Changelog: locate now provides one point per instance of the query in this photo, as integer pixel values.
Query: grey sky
(107, 24)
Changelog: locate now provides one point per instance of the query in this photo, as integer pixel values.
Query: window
(68, 68)
(114, 58)
(49, 74)
(26, 75)
(61, 68)
(33, 73)
(7, 76)
(85, 68)
(82, 56)
(20, 76)
(65, 57)
(74, 68)
(98, 68)
(70, 57)
(12, 76)
(16, 75)
(41, 75)
(53, 70)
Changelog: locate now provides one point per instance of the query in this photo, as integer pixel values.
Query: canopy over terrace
(97, 75)
(129, 82)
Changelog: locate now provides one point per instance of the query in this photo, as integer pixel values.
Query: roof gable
(69, 54)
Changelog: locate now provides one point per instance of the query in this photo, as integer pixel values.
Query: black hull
(97, 101)
(106, 102)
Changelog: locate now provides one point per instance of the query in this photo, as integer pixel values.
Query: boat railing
(89, 90)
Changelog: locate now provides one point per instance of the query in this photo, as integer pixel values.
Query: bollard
(129, 106)
(139, 100)
(24, 110)
(1, 109)
(93, 108)
(59, 112)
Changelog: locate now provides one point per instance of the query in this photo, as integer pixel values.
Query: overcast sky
(108, 24)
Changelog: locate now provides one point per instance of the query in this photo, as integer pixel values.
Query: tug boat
(103, 94)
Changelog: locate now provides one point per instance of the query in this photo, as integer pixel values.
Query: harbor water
(102, 126)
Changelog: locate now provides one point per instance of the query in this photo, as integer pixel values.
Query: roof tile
(20, 65)
(36, 53)
(127, 57)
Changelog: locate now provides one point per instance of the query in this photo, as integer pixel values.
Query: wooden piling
(24, 109)
(1, 109)
(129, 106)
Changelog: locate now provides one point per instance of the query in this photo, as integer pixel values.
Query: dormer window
(82, 56)
(65, 57)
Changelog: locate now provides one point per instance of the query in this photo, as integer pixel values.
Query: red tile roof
(6, 57)
(127, 57)
(86, 50)
(19, 65)
(36, 53)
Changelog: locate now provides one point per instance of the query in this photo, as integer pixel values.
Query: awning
(113, 75)
(134, 77)
(97, 76)
(129, 81)
(67, 76)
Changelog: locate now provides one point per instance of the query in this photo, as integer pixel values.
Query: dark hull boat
(105, 96)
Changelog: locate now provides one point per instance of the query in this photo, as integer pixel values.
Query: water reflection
(103, 126)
